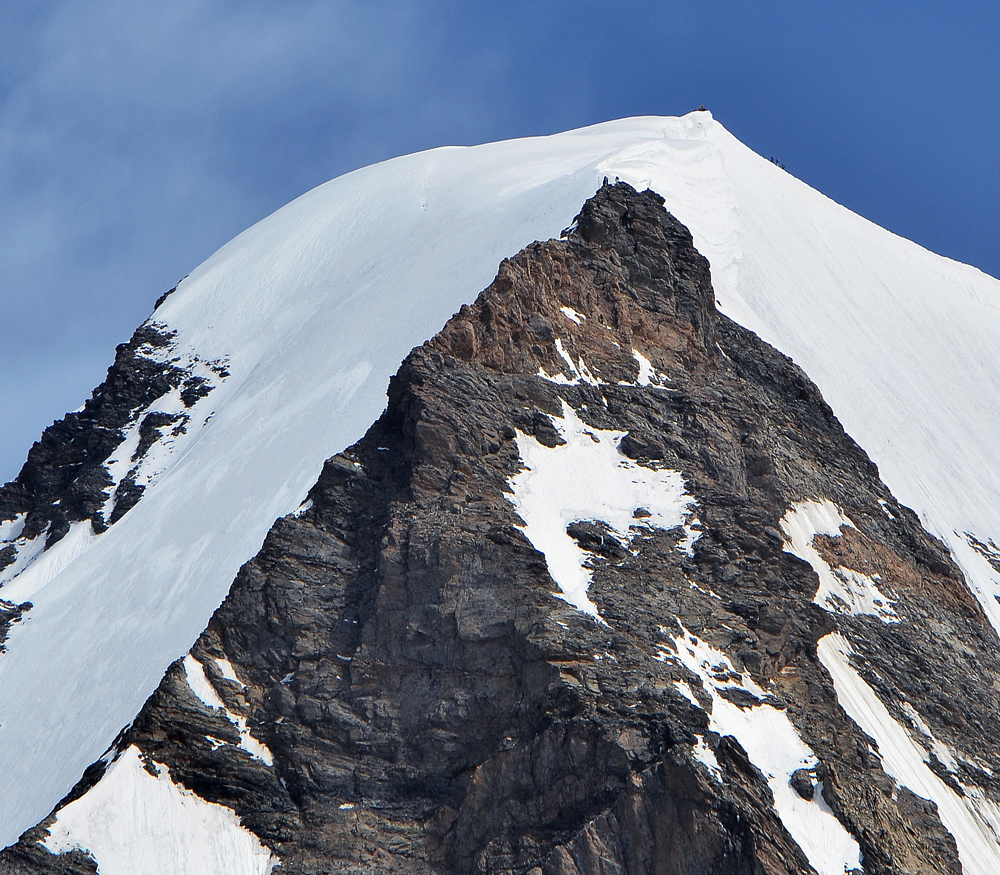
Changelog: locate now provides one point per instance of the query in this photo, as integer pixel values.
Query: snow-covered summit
(314, 307)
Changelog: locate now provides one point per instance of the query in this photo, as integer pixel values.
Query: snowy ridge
(315, 306)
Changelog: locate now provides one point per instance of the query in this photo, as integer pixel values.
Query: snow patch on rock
(841, 590)
(774, 746)
(203, 689)
(588, 479)
(973, 820)
(10, 530)
(571, 314)
(648, 375)
(579, 372)
(227, 671)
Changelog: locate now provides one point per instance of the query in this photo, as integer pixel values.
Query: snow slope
(315, 306)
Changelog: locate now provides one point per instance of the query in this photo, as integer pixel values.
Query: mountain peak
(585, 597)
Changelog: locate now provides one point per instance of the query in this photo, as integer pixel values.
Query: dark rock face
(433, 705)
(10, 614)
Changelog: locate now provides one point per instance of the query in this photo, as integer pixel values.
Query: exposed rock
(433, 705)
(67, 477)
(10, 614)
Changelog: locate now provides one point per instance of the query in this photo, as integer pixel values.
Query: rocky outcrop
(429, 701)
(93, 465)
(65, 478)
(10, 613)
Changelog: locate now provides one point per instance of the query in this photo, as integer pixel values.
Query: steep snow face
(314, 307)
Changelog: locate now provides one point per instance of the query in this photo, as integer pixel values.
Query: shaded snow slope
(315, 306)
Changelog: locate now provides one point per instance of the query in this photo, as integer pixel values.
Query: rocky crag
(92, 466)
(405, 679)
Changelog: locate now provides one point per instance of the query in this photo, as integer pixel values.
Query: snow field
(588, 479)
(774, 746)
(135, 823)
(972, 819)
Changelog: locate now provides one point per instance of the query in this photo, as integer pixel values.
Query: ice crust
(316, 305)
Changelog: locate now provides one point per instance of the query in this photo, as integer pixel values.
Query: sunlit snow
(901, 342)
(648, 375)
(941, 750)
(706, 756)
(588, 478)
(774, 746)
(34, 569)
(135, 823)
(10, 530)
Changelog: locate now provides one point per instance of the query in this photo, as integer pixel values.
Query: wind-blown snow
(973, 820)
(316, 306)
(135, 823)
(774, 746)
(841, 590)
(588, 478)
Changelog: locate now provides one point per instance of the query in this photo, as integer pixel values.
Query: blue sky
(137, 137)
